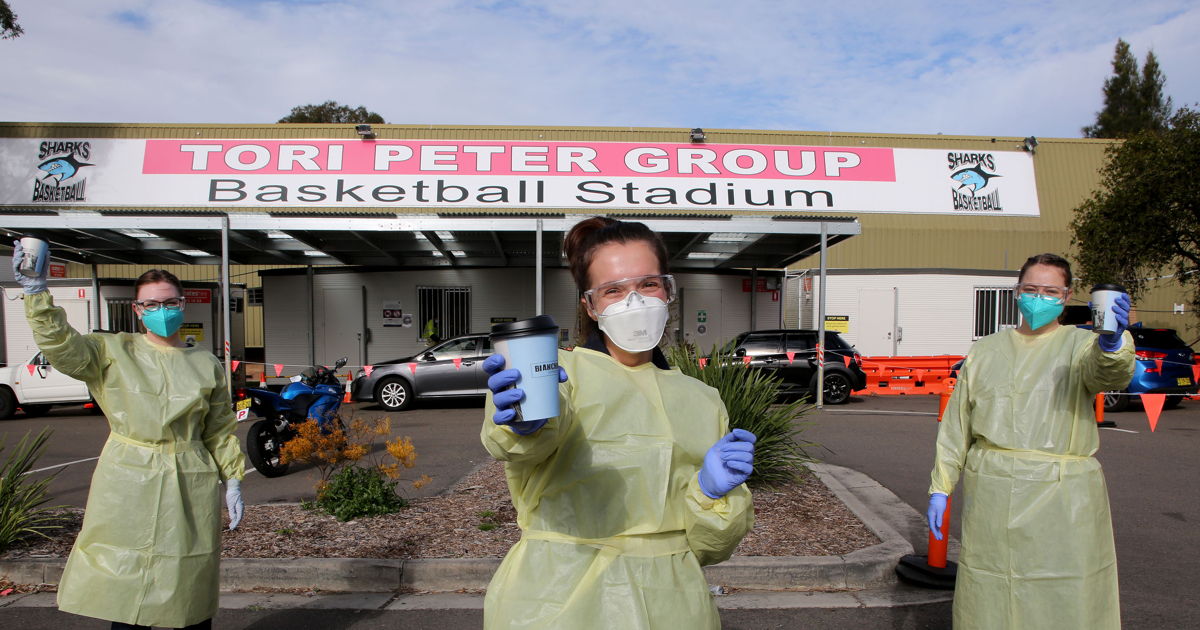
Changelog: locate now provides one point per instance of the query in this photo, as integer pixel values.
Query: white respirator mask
(636, 323)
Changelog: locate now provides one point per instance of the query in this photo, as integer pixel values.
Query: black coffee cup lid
(539, 325)
(1109, 287)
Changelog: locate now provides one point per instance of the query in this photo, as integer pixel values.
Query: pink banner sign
(545, 159)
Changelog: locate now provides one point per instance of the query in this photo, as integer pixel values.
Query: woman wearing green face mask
(1037, 547)
(149, 550)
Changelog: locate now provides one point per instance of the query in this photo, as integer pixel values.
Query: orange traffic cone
(1100, 421)
(262, 378)
(932, 570)
(346, 397)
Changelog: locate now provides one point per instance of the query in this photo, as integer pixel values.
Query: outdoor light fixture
(1030, 144)
(697, 135)
(364, 131)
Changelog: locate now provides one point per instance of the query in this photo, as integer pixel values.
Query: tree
(1132, 102)
(9, 28)
(331, 112)
(1144, 221)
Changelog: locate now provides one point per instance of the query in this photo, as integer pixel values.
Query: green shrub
(22, 497)
(354, 491)
(750, 397)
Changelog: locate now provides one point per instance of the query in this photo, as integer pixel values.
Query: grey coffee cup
(1104, 322)
(33, 254)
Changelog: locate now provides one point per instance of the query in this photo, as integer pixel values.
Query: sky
(984, 68)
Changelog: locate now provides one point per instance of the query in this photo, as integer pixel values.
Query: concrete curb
(871, 568)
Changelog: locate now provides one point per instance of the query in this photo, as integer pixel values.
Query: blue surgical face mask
(164, 322)
(1039, 310)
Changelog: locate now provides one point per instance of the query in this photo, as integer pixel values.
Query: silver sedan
(449, 369)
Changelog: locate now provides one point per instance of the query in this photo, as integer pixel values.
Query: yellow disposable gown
(1037, 548)
(149, 549)
(614, 525)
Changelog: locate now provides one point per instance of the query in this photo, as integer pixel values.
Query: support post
(821, 319)
(226, 318)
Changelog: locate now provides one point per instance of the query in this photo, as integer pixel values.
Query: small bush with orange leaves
(358, 478)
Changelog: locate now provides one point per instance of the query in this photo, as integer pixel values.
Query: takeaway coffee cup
(531, 346)
(33, 254)
(1103, 298)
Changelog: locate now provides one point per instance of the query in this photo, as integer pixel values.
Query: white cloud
(925, 67)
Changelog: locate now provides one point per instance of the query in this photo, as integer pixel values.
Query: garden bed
(475, 519)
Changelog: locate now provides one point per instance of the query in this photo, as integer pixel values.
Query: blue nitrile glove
(728, 463)
(937, 509)
(233, 501)
(35, 284)
(499, 380)
(1112, 343)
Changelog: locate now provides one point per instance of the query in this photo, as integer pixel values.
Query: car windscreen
(1156, 338)
(756, 345)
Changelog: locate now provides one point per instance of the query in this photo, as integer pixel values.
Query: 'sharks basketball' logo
(59, 176)
(973, 172)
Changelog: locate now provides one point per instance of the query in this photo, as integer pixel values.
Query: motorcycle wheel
(263, 446)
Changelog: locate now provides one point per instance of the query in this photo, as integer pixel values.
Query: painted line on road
(1121, 430)
(882, 413)
(249, 469)
(78, 461)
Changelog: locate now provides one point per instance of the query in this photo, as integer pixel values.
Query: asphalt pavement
(1151, 477)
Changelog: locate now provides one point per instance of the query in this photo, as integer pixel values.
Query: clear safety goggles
(1059, 294)
(171, 304)
(660, 286)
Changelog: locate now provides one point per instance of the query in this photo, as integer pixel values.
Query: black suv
(768, 350)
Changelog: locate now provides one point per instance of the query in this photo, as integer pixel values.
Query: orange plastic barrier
(907, 375)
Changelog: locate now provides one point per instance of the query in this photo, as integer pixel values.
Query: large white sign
(597, 176)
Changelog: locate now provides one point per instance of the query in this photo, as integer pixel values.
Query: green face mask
(1039, 310)
(164, 322)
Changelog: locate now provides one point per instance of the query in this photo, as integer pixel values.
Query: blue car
(1164, 366)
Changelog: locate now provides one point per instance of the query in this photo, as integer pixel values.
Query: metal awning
(412, 241)
(408, 240)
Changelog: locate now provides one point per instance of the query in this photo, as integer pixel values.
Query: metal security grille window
(254, 296)
(995, 309)
(444, 312)
(121, 317)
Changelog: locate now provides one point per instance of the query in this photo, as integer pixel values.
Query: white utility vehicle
(34, 386)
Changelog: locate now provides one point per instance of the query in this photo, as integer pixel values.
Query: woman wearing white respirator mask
(638, 482)
(149, 550)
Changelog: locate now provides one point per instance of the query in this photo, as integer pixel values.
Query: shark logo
(973, 177)
(63, 168)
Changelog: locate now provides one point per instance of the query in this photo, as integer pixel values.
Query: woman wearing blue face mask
(149, 549)
(1037, 547)
(638, 482)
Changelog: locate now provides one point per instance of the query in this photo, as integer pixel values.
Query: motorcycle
(316, 394)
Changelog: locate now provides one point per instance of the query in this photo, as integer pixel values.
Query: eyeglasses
(172, 304)
(1047, 290)
(659, 286)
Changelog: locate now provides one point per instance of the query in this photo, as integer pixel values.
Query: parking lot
(1151, 476)
(446, 437)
